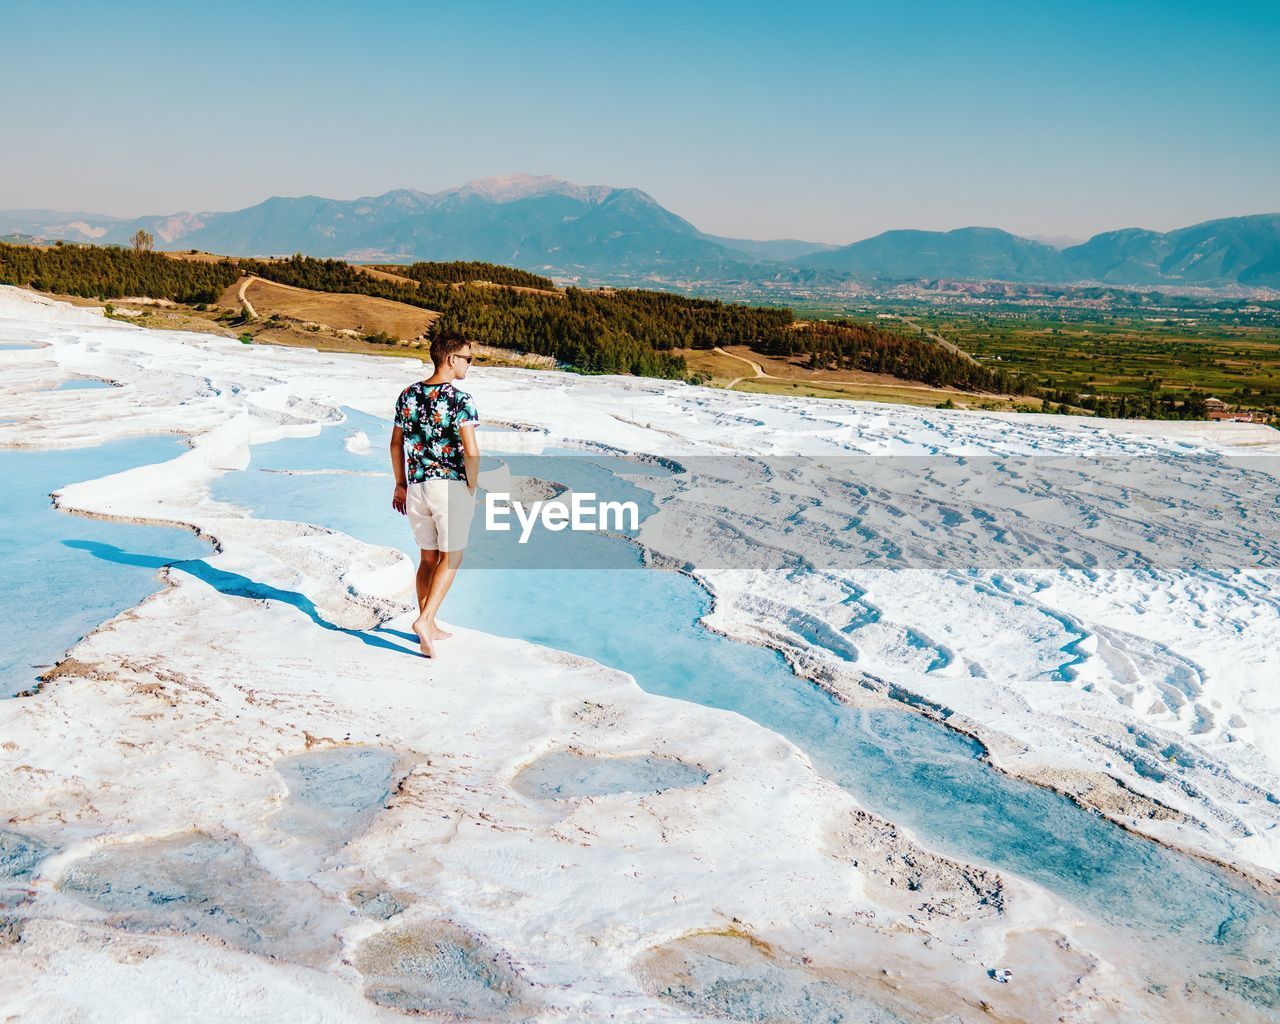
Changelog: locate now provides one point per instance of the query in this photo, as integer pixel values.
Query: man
(436, 462)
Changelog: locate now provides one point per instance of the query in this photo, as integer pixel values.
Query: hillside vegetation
(635, 331)
(846, 345)
(107, 272)
(607, 331)
(463, 271)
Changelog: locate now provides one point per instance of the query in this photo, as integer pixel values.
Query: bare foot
(424, 639)
(439, 634)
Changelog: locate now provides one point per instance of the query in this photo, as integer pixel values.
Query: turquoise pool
(899, 764)
(66, 574)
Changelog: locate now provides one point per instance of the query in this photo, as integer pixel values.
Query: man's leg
(441, 580)
(422, 582)
(426, 569)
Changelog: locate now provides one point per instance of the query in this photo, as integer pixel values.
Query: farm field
(1141, 347)
(1231, 357)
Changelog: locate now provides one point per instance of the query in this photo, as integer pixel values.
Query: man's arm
(400, 495)
(470, 455)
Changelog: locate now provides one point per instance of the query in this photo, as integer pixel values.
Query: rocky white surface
(216, 804)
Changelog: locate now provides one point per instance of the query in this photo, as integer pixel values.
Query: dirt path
(512, 287)
(937, 338)
(759, 373)
(348, 313)
(816, 381)
(243, 299)
(382, 275)
(756, 367)
(292, 288)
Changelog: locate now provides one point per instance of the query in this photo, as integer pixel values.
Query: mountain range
(599, 233)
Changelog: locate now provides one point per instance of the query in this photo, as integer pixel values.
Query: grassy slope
(363, 314)
(794, 379)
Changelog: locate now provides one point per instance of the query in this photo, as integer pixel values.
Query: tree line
(846, 345)
(462, 271)
(108, 272)
(604, 331)
(1150, 404)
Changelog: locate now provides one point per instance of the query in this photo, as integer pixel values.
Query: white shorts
(440, 514)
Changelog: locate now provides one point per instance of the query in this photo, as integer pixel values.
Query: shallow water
(83, 384)
(65, 574)
(208, 885)
(564, 775)
(438, 968)
(334, 793)
(724, 976)
(19, 856)
(901, 765)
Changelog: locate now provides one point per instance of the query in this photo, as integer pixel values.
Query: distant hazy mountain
(780, 250)
(986, 253)
(78, 227)
(1237, 250)
(533, 222)
(597, 232)
(1057, 241)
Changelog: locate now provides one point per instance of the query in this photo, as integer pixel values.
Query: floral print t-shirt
(431, 417)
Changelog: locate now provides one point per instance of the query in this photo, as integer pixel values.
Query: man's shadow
(234, 585)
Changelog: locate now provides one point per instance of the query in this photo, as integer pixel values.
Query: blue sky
(828, 122)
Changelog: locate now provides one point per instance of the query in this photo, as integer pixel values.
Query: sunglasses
(459, 355)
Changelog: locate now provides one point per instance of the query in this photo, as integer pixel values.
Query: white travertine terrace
(153, 753)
